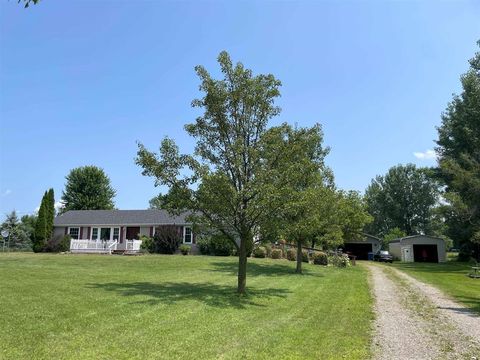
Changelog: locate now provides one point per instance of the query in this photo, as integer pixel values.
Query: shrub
(341, 260)
(203, 246)
(217, 245)
(320, 258)
(268, 250)
(259, 252)
(184, 249)
(59, 243)
(305, 256)
(276, 253)
(167, 239)
(148, 245)
(292, 254)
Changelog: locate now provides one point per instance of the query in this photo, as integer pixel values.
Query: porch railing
(85, 245)
(133, 245)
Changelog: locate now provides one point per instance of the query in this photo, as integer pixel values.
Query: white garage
(419, 248)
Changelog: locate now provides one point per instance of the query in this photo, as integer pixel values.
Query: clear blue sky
(81, 81)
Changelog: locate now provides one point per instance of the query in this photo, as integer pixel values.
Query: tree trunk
(242, 266)
(299, 257)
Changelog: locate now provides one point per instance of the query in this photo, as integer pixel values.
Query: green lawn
(451, 277)
(167, 307)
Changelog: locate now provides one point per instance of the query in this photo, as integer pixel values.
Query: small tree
(88, 188)
(18, 236)
(167, 239)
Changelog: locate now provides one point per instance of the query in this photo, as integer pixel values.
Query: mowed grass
(450, 277)
(175, 307)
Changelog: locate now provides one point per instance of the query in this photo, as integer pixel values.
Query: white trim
(99, 232)
(185, 232)
(74, 227)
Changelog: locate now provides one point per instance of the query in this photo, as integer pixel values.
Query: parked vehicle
(384, 256)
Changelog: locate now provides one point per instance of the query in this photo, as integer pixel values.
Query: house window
(94, 233)
(187, 235)
(105, 233)
(116, 233)
(74, 232)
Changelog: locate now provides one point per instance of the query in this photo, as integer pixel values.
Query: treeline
(443, 200)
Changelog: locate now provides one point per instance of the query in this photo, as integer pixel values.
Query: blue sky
(82, 81)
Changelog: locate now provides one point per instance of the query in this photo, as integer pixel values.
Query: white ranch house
(107, 231)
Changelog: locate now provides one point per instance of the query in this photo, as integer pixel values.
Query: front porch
(87, 246)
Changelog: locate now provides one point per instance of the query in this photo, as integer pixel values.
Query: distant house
(105, 231)
(419, 248)
(361, 246)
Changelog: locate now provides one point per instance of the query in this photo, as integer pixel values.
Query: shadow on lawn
(259, 269)
(172, 292)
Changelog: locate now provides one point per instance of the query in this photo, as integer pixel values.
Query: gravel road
(417, 321)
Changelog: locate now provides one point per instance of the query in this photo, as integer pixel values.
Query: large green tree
(88, 188)
(237, 175)
(404, 198)
(459, 160)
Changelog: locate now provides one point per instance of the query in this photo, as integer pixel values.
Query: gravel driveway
(417, 321)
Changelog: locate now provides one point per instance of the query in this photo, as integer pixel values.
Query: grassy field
(167, 307)
(451, 277)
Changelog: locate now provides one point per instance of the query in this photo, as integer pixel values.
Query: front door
(132, 232)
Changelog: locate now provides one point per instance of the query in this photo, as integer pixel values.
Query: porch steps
(125, 252)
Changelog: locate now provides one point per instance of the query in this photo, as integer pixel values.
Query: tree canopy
(88, 188)
(404, 198)
(459, 160)
(241, 171)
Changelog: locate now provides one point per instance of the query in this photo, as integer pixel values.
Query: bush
(320, 258)
(276, 253)
(167, 239)
(184, 249)
(292, 254)
(259, 252)
(268, 250)
(339, 260)
(148, 245)
(305, 258)
(217, 245)
(203, 246)
(59, 243)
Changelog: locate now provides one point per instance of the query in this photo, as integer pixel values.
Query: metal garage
(361, 247)
(419, 248)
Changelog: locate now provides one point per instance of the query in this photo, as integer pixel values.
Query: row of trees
(86, 188)
(245, 178)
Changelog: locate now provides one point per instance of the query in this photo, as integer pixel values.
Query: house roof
(414, 236)
(118, 217)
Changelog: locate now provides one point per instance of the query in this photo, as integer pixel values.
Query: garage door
(360, 250)
(425, 253)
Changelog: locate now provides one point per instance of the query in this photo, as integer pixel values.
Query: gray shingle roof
(118, 217)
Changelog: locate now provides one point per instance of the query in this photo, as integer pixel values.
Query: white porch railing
(133, 245)
(93, 246)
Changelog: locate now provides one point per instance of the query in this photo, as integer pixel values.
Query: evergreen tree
(41, 225)
(50, 213)
(18, 238)
(459, 160)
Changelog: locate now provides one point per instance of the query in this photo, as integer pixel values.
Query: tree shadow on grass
(173, 292)
(260, 269)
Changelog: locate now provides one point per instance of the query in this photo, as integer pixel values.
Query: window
(105, 233)
(187, 235)
(116, 233)
(94, 233)
(74, 232)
